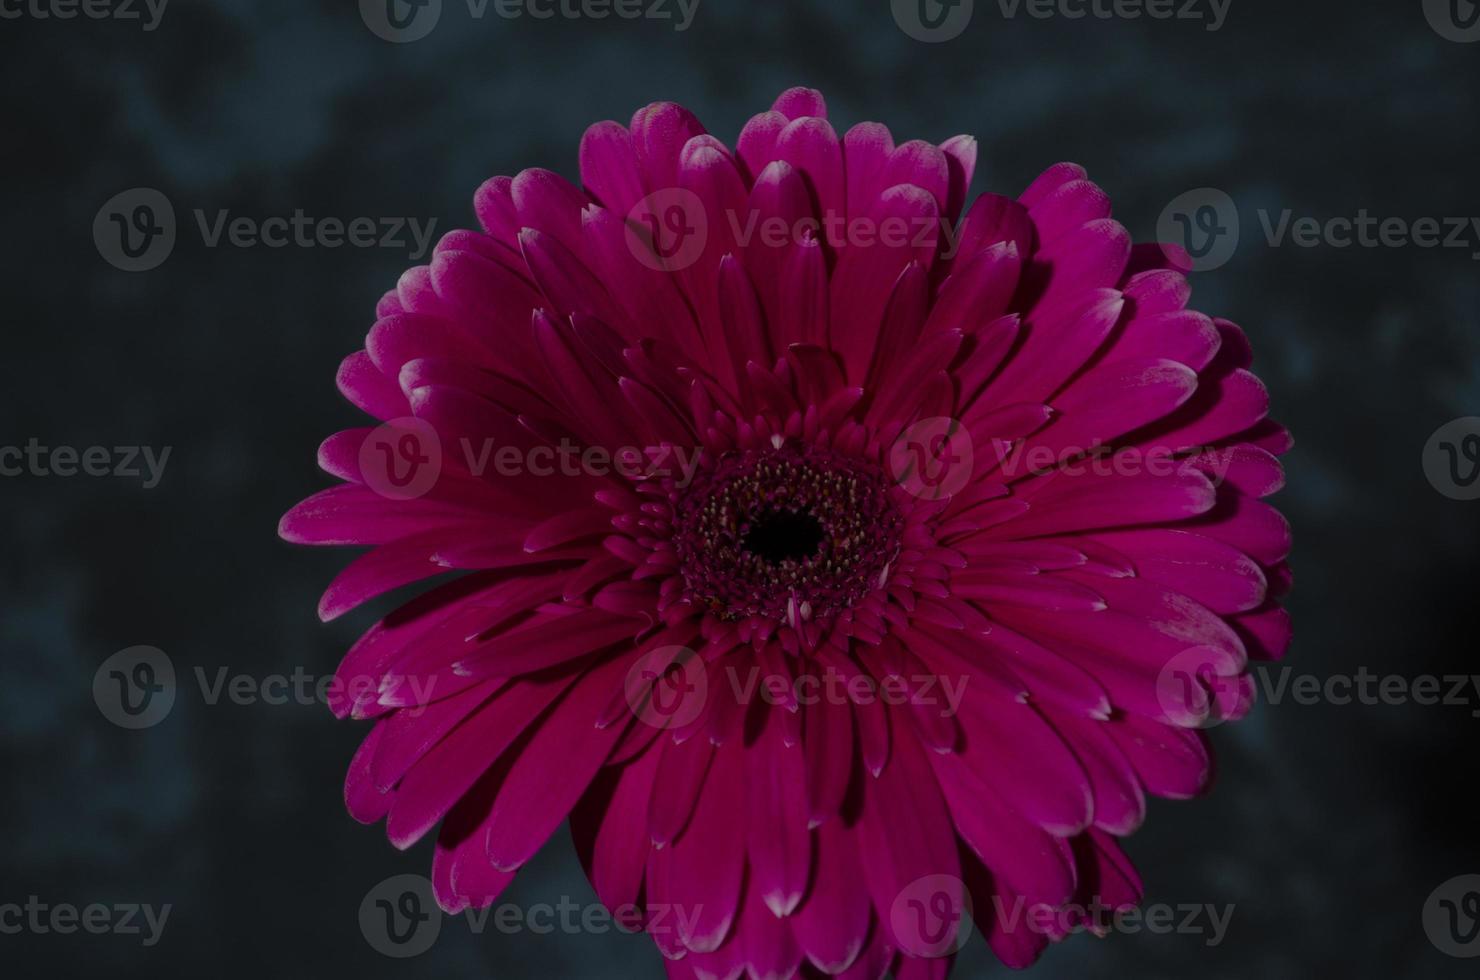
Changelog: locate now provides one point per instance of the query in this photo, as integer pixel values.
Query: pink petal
(700, 874)
(609, 166)
(609, 826)
(448, 771)
(553, 769)
(797, 102)
(905, 830)
(833, 923)
(779, 843)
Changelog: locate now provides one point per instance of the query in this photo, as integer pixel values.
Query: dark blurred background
(1331, 826)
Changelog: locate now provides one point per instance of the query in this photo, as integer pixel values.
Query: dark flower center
(788, 534)
(784, 535)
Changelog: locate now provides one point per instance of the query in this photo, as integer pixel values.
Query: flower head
(843, 566)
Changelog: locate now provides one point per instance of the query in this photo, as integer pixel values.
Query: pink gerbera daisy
(843, 567)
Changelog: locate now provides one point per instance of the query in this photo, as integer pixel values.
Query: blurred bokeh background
(1330, 826)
